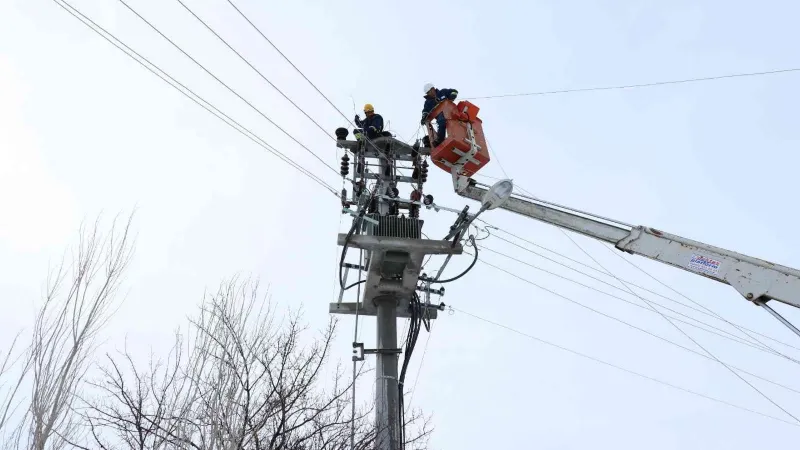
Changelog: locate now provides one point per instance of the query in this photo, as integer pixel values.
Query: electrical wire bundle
(417, 320)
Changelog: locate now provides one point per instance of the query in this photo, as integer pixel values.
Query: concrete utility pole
(394, 251)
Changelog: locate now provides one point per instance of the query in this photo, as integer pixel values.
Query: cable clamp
(359, 351)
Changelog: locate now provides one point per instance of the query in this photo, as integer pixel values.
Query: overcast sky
(84, 129)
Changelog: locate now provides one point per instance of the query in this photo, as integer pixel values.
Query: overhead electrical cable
(451, 279)
(191, 95)
(742, 329)
(709, 314)
(258, 30)
(355, 339)
(261, 113)
(688, 336)
(718, 331)
(618, 367)
(682, 331)
(700, 308)
(634, 327)
(255, 69)
(642, 85)
(419, 368)
(275, 47)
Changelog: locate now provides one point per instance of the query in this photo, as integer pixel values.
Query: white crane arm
(755, 279)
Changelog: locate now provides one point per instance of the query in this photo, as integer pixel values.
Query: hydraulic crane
(465, 152)
(756, 280)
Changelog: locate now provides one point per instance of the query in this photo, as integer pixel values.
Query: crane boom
(755, 279)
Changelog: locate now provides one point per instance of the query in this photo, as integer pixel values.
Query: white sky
(84, 130)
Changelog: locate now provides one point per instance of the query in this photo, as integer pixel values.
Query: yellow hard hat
(368, 108)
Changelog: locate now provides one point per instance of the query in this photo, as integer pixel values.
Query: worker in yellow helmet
(372, 125)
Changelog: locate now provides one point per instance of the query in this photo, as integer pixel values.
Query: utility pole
(388, 229)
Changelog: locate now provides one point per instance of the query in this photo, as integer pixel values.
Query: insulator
(345, 203)
(428, 200)
(360, 167)
(341, 133)
(345, 165)
(358, 188)
(413, 211)
(416, 195)
(392, 192)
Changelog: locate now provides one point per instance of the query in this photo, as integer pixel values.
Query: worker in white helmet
(432, 98)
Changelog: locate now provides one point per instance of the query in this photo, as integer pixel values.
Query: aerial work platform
(464, 150)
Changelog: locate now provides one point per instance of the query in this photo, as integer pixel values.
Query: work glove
(357, 118)
(453, 95)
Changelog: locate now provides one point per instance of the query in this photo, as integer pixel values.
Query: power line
(707, 310)
(349, 122)
(632, 326)
(180, 87)
(701, 311)
(704, 349)
(289, 135)
(419, 369)
(497, 157)
(743, 330)
(258, 30)
(255, 69)
(632, 86)
(682, 331)
(725, 334)
(521, 247)
(702, 308)
(615, 366)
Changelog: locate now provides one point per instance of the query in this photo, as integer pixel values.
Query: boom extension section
(755, 279)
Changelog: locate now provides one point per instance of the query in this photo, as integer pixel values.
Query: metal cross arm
(427, 246)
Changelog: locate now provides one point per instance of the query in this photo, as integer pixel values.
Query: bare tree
(11, 384)
(246, 381)
(78, 302)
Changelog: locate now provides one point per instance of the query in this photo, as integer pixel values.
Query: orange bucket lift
(463, 151)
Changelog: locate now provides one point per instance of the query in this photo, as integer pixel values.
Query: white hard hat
(428, 87)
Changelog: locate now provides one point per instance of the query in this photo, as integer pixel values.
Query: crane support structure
(755, 279)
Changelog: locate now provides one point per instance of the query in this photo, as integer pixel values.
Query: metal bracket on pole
(355, 214)
(427, 289)
(359, 351)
